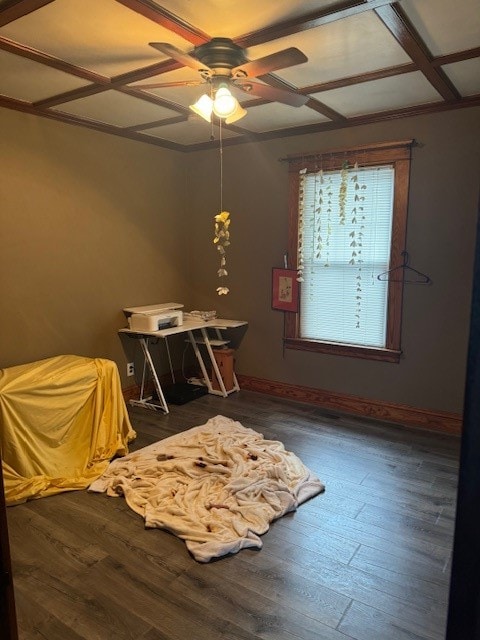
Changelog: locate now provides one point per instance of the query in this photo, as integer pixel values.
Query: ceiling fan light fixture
(224, 104)
(239, 112)
(203, 107)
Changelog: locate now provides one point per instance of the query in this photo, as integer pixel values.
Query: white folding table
(197, 331)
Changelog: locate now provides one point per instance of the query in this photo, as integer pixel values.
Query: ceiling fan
(222, 63)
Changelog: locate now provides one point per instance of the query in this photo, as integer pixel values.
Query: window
(347, 226)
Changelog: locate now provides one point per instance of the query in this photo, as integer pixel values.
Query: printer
(154, 317)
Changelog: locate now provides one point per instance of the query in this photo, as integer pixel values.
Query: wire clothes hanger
(409, 275)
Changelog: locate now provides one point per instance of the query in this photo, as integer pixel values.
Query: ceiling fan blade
(273, 62)
(272, 93)
(184, 58)
(163, 85)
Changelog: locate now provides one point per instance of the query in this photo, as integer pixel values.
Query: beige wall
(90, 223)
(444, 195)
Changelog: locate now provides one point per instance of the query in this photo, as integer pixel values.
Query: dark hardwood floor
(369, 559)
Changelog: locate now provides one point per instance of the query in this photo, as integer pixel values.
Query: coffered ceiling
(85, 61)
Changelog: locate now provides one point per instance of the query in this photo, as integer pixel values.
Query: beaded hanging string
(301, 201)
(222, 224)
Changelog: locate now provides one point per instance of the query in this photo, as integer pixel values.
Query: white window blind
(345, 225)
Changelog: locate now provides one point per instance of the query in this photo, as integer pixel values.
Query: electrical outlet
(130, 369)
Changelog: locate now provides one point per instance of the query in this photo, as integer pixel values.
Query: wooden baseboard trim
(131, 393)
(448, 423)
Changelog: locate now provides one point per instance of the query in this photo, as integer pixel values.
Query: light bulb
(224, 104)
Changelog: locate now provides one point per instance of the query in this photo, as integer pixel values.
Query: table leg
(143, 402)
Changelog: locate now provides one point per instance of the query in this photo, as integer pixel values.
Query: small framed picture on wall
(284, 289)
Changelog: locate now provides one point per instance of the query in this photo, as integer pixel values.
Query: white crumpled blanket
(216, 486)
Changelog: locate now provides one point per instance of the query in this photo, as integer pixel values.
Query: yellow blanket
(61, 421)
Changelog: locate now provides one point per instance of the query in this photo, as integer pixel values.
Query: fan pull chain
(221, 166)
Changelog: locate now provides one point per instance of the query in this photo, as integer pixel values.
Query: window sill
(349, 350)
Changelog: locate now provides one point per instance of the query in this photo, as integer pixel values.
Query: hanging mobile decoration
(222, 224)
(222, 235)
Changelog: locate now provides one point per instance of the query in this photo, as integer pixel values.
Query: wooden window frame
(397, 154)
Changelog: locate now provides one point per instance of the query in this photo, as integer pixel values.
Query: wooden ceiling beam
(458, 56)
(26, 107)
(104, 84)
(313, 103)
(13, 9)
(159, 15)
(50, 61)
(156, 100)
(156, 123)
(61, 65)
(146, 72)
(70, 96)
(379, 74)
(85, 92)
(397, 22)
(309, 21)
(328, 112)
